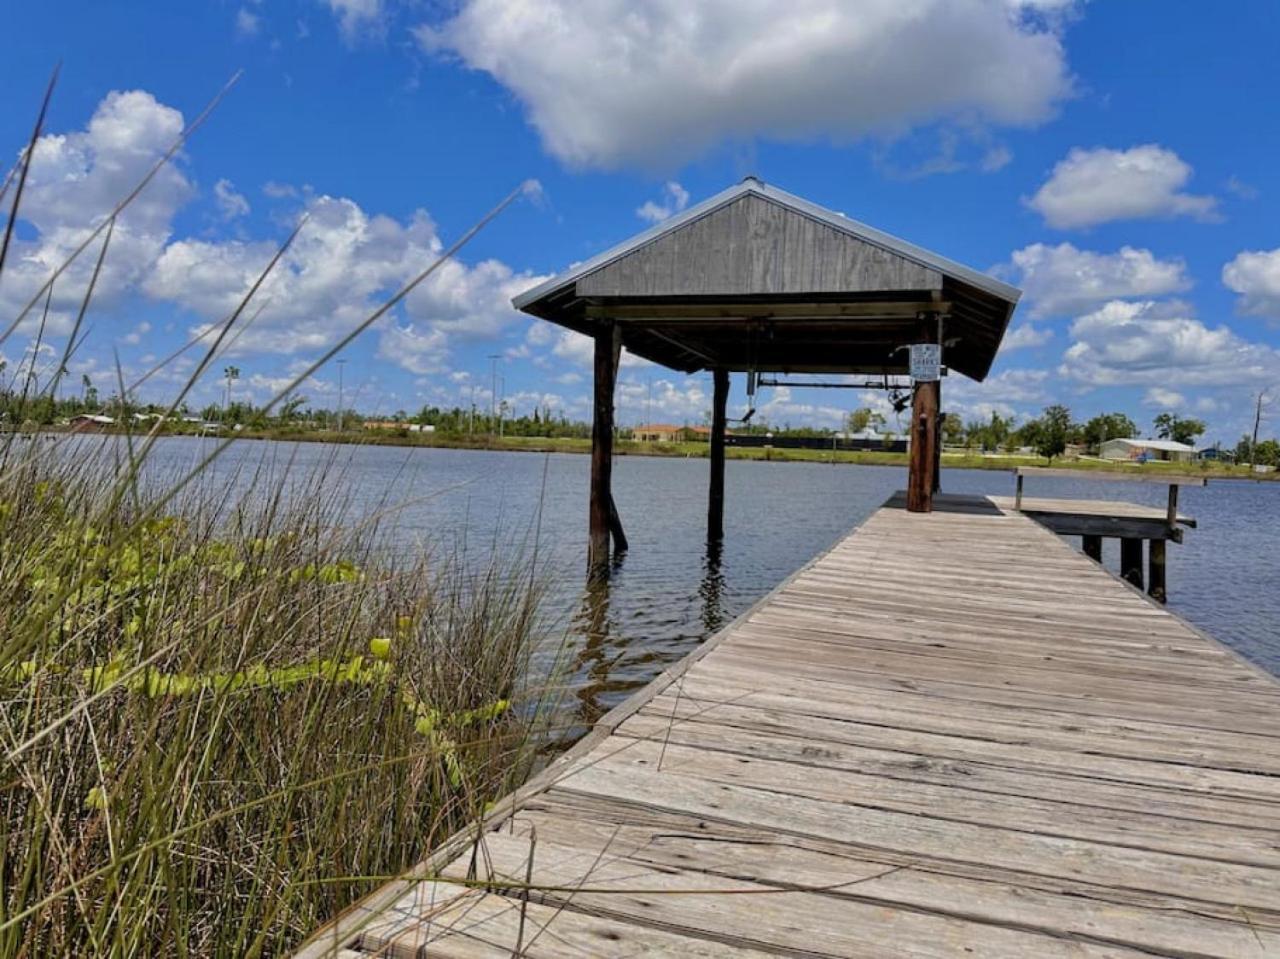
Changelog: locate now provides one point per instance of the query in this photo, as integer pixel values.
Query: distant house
(1217, 453)
(667, 433)
(656, 433)
(383, 425)
(90, 422)
(701, 433)
(1143, 450)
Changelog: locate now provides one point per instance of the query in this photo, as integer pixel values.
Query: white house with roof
(1143, 450)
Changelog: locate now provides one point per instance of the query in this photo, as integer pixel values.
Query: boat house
(757, 281)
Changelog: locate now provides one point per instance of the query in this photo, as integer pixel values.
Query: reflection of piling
(593, 661)
(711, 590)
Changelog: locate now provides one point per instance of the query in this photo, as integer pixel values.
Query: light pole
(341, 364)
(1257, 422)
(502, 405)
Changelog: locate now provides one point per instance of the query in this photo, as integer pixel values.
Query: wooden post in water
(603, 514)
(924, 434)
(715, 498)
(1155, 567)
(1131, 560)
(922, 462)
(1092, 547)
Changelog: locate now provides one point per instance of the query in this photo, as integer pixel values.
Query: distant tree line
(1052, 433)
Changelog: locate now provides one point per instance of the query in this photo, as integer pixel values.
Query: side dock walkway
(952, 734)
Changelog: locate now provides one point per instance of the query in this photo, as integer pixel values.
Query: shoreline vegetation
(951, 458)
(226, 713)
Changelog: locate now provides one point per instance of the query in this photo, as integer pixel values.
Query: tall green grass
(225, 723)
(225, 713)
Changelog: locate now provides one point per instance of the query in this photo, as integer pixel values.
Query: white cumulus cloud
(1089, 187)
(1255, 275)
(1062, 279)
(674, 199)
(1025, 336)
(1161, 398)
(343, 263)
(655, 82)
(230, 203)
(1161, 344)
(76, 179)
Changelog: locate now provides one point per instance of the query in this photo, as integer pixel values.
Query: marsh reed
(225, 714)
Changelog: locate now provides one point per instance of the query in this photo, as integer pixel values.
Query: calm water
(667, 593)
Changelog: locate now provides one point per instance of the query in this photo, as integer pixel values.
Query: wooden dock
(952, 734)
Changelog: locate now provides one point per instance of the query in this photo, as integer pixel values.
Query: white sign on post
(926, 362)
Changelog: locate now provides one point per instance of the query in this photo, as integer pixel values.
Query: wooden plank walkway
(950, 735)
(1103, 509)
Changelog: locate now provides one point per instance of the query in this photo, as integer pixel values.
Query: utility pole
(502, 404)
(493, 389)
(341, 364)
(1257, 422)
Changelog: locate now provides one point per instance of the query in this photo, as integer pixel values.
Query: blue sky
(1115, 160)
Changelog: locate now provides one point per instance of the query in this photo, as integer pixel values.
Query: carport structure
(756, 280)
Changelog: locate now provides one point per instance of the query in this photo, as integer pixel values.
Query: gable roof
(1169, 446)
(835, 294)
(753, 185)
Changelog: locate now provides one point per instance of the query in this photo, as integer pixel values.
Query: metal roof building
(757, 280)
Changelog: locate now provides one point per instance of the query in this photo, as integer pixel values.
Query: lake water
(668, 593)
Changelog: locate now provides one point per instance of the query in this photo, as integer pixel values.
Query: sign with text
(926, 362)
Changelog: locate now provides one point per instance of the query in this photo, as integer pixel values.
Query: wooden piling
(1092, 545)
(1131, 560)
(1156, 570)
(603, 513)
(715, 497)
(924, 434)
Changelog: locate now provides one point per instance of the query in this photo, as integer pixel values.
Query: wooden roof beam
(747, 311)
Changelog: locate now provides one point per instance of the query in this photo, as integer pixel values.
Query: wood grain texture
(752, 247)
(950, 735)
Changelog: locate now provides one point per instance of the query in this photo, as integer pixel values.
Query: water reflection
(712, 588)
(602, 646)
(607, 659)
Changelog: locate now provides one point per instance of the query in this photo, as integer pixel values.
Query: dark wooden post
(1131, 560)
(924, 434)
(1092, 547)
(715, 498)
(1155, 569)
(603, 513)
(923, 459)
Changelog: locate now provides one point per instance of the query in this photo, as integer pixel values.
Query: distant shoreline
(699, 450)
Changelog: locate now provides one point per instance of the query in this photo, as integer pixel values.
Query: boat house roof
(756, 278)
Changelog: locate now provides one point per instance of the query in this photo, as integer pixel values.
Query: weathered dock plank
(950, 735)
